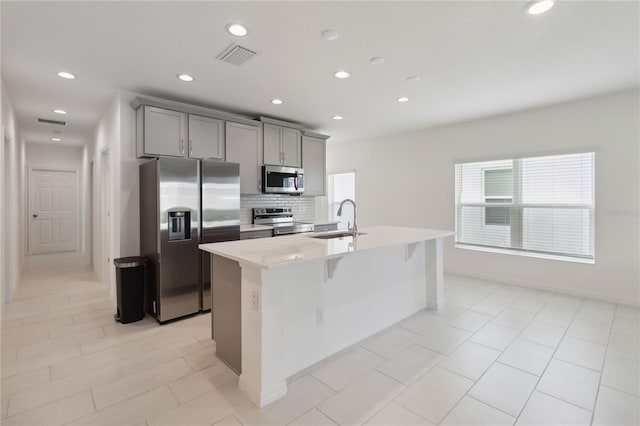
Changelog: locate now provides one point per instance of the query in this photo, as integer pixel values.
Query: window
(538, 206)
(498, 189)
(341, 186)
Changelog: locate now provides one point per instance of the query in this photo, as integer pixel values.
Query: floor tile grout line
(317, 407)
(604, 361)
(493, 363)
(409, 409)
(307, 412)
(47, 403)
(474, 382)
(566, 402)
(491, 406)
(621, 391)
(92, 388)
(535, 388)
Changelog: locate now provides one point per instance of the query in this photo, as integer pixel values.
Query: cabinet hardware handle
(35, 215)
(190, 147)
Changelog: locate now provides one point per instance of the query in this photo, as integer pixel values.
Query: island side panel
(345, 302)
(314, 309)
(226, 310)
(434, 274)
(262, 378)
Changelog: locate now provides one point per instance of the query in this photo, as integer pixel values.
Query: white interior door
(53, 208)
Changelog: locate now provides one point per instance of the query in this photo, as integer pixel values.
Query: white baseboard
(264, 398)
(541, 286)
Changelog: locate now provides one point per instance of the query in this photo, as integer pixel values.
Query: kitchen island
(282, 304)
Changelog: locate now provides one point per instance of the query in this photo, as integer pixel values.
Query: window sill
(526, 254)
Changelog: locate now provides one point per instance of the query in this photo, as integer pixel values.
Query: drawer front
(325, 227)
(249, 235)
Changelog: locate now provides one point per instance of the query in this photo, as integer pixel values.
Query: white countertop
(250, 227)
(267, 253)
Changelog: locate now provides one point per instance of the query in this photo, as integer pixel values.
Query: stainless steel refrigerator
(184, 202)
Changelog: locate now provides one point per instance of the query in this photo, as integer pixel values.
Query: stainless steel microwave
(282, 180)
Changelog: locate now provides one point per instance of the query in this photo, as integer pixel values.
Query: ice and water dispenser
(179, 225)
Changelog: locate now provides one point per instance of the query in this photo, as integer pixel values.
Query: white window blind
(530, 206)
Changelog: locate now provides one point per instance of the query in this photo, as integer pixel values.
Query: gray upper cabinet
(272, 152)
(282, 146)
(291, 147)
(175, 129)
(164, 132)
(314, 164)
(206, 138)
(244, 146)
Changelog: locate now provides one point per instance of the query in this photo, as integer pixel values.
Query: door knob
(35, 215)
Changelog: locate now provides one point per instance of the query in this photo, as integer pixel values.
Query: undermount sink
(336, 235)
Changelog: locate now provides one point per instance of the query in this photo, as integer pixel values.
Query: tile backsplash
(304, 208)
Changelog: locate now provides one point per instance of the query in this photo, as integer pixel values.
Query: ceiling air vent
(235, 54)
(56, 122)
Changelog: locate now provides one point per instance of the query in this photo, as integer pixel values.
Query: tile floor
(493, 355)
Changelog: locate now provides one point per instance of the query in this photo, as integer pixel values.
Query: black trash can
(130, 279)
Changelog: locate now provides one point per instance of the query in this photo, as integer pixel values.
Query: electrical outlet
(255, 302)
(319, 316)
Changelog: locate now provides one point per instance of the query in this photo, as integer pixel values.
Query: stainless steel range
(281, 218)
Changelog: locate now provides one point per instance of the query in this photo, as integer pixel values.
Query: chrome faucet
(354, 229)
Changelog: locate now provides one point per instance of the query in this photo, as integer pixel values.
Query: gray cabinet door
(290, 146)
(314, 164)
(243, 145)
(250, 235)
(272, 150)
(164, 132)
(206, 138)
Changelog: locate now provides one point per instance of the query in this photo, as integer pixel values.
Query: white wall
(12, 233)
(408, 180)
(55, 157)
(115, 135)
(129, 180)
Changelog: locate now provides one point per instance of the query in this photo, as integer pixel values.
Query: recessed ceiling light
(56, 139)
(185, 77)
(276, 101)
(413, 78)
(403, 99)
(330, 35)
(337, 117)
(237, 30)
(342, 74)
(537, 7)
(66, 75)
(377, 60)
(59, 111)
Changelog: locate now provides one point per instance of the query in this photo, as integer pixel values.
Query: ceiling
(474, 59)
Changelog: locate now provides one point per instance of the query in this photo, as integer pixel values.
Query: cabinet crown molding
(190, 109)
(311, 134)
(281, 123)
